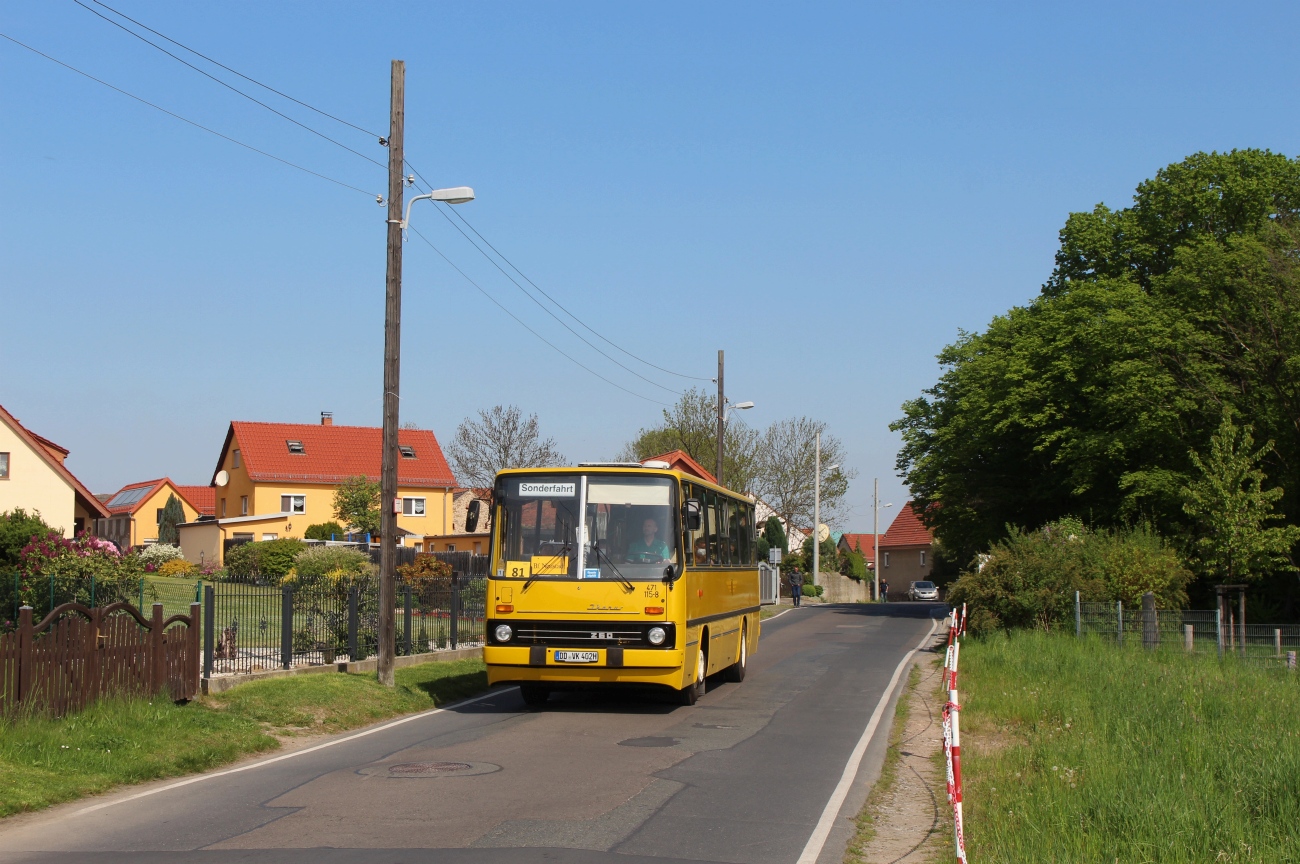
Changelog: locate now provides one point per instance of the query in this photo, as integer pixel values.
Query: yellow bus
(619, 573)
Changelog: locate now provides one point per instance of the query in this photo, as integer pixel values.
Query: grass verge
(1080, 751)
(116, 742)
(866, 818)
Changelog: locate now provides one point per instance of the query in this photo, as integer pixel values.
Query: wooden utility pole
(722, 419)
(392, 374)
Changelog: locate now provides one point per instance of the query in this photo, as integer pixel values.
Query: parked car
(923, 591)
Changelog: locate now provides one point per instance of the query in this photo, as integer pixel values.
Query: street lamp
(454, 195)
(725, 407)
(875, 530)
(817, 510)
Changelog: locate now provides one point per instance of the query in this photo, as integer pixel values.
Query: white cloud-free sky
(829, 192)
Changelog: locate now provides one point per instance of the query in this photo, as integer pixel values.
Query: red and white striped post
(954, 751)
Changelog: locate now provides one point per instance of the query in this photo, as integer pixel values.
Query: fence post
(352, 623)
(1150, 635)
(94, 663)
(192, 673)
(455, 607)
(406, 622)
(286, 628)
(1119, 611)
(1078, 618)
(1218, 628)
(92, 590)
(157, 678)
(1189, 634)
(209, 627)
(24, 652)
(1277, 642)
(139, 606)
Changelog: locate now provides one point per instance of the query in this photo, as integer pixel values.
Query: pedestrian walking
(884, 590)
(796, 586)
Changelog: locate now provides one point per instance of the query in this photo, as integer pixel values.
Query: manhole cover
(651, 741)
(401, 770)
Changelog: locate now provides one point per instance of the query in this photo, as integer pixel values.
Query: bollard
(954, 750)
(1290, 660)
(1218, 628)
(1188, 633)
(1277, 642)
(1078, 620)
(1119, 618)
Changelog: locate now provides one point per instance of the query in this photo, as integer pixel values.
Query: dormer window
(408, 452)
(295, 447)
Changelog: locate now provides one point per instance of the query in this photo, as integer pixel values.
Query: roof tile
(331, 454)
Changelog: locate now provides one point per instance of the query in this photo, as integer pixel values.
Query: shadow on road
(888, 610)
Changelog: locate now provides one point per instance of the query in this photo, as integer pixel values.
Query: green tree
(774, 534)
(691, 425)
(356, 502)
(500, 438)
(1237, 542)
(17, 529)
(1087, 399)
(173, 514)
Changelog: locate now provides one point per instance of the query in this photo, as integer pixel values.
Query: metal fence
(43, 595)
(1188, 629)
(248, 628)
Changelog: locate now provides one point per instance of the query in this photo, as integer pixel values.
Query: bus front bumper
(537, 663)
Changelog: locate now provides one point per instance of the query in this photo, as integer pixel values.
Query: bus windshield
(628, 526)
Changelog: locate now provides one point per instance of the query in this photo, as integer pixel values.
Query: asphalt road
(742, 776)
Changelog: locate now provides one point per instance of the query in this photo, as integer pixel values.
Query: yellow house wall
(144, 524)
(264, 498)
(34, 486)
(201, 542)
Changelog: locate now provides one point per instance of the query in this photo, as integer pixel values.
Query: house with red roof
(274, 480)
(905, 550)
(680, 460)
(33, 477)
(143, 504)
(863, 544)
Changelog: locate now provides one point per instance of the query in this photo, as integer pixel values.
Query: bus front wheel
(736, 671)
(693, 691)
(535, 696)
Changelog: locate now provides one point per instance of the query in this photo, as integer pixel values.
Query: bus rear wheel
(693, 691)
(736, 671)
(535, 695)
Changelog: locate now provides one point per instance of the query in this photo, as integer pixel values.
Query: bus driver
(650, 549)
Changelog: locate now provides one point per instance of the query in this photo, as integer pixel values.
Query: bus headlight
(656, 635)
(503, 633)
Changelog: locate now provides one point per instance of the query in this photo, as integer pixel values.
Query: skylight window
(295, 447)
(408, 452)
(127, 497)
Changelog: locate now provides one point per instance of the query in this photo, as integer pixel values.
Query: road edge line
(813, 848)
(249, 767)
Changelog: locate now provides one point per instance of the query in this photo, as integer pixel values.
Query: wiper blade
(614, 567)
(532, 576)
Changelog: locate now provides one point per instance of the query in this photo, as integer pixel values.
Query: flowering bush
(153, 557)
(54, 569)
(178, 567)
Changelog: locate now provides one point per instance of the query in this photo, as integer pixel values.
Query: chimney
(327, 418)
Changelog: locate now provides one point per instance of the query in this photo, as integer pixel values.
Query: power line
(229, 87)
(521, 323)
(236, 72)
(567, 312)
(553, 315)
(184, 119)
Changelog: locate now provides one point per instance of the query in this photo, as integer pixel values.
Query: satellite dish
(823, 533)
(223, 477)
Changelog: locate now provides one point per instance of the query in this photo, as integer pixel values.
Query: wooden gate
(77, 654)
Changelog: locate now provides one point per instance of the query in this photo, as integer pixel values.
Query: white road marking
(201, 777)
(818, 839)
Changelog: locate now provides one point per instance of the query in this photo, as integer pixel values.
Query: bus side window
(688, 539)
(724, 538)
(711, 524)
(744, 535)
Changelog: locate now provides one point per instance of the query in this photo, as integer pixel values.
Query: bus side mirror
(692, 514)
(472, 515)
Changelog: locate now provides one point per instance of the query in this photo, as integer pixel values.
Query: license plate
(576, 657)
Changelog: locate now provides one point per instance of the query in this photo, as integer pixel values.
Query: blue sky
(829, 192)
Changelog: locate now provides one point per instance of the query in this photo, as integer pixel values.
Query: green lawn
(44, 762)
(1080, 751)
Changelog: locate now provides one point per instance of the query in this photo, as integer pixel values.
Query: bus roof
(623, 468)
